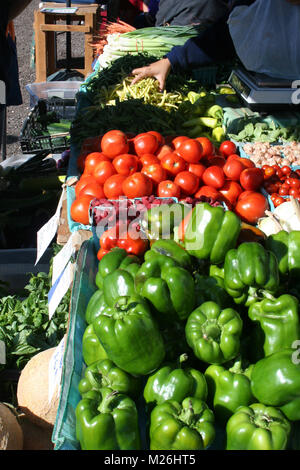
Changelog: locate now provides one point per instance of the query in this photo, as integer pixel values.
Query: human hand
(159, 70)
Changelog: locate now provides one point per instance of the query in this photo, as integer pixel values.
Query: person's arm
(212, 45)
(15, 7)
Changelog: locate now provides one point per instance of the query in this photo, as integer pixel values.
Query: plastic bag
(266, 36)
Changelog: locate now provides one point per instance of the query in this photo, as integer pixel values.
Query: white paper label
(59, 289)
(2, 352)
(55, 370)
(62, 258)
(46, 234)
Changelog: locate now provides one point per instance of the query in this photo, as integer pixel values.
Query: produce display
(185, 330)
(189, 365)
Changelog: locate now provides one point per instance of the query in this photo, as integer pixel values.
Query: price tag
(46, 234)
(55, 370)
(59, 288)
(62, 258)
(2, 352)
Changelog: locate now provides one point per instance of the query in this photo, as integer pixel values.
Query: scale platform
(262, 93)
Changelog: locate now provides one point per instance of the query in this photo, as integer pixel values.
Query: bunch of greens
(253, 129)
(25, 326)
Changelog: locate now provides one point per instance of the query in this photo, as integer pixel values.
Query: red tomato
(160, 138)
(197, 168)
(137, 185)
(231, 190)
(233, 169)
(293, 192)
(187, 181)
(293, 182)
(247, 162)
(209, 191)
(145, 143)
(245, 194)
(251, 207)
(269, 171)
(286, 170)
(227, 148)
(155, 172)
(83, 181)
(92, 189)
(114, 143)
(252, 178)
(284, 191)
(278, 200)
(233, 156)
(149, 159)
(113, 186)
(103, 171)
(177, 141)
(168, 188)
(79, 210)
(125, 164)
(214, 176)
(190, 150)
(92, 160)
(207, 146)
(279, 173)
(173, 163)
(163, 150)
(297, 171)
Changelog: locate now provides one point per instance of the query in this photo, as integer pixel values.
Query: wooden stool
(45, 28)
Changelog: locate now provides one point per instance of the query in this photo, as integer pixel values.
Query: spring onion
(157, 41)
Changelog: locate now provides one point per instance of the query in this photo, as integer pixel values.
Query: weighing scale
(262, 93)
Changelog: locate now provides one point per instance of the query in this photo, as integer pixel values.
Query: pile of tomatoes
(281, 182)
(176, 166)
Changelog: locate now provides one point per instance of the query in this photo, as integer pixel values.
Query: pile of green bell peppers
(198, 337)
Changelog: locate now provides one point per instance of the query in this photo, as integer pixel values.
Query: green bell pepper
(158, 222)
(257, 427)
(168, 287)
(107, 420)
(211, 288)
(117, 284)
(277, 321)
(175, 382)
(95, 306)
(248, 270)
(211, 232)
(92, 349)
(130, 336)
(181, 426)
(172, 249)
(117, 258)
(228, 388)
(214, 333)
(275, 381)
(105, 374)
(286, 247)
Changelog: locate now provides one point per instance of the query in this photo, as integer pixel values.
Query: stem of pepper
(104, 406)
(187, 415)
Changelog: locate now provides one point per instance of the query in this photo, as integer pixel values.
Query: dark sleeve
(212, 45)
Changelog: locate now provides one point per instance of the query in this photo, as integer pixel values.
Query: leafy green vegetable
(25, 326)
(251, 129)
